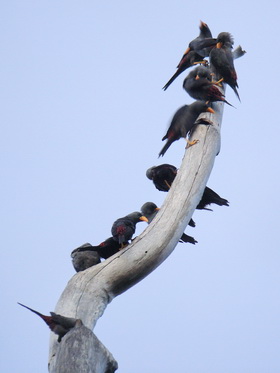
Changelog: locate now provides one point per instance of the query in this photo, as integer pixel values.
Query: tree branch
(88, 293)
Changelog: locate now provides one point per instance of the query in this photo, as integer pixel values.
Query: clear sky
(83, 114)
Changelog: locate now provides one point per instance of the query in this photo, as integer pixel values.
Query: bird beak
(143, 218)
(210, 110)
(197, 77)
(187, 51)
(157, 208)
(219, 45)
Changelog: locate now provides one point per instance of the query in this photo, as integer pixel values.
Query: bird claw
(191, 143)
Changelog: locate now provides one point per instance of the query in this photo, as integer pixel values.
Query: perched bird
(221, 59)
(85, 258)
(198, 84)
(194, 54)
(183, 122)
(158, 174)
(124, 228)
(162, 176)
(150, 209)
(58, 324)
(209, 197)
(105, 249)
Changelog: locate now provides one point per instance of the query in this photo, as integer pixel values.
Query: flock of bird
(201, 86)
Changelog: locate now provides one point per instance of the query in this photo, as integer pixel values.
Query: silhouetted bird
(124, 228)
(209, 197)
(84, 259)
(221, 59)
(150, 209)
(58, 324)
(195, 53)
(183, 122)
(158, 174)
(198, 84)
(105, 249)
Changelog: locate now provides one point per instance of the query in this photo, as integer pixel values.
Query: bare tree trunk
(88, 293)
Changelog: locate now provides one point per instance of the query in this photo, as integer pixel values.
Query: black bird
(58, 324)
(221, 59)
(162, 176)
(209, 197)
(105, 249)
(158, 174)
(84, 258)
(124, 228)
(150, 209)
(183, 122)
(198, 84)
(195, 53)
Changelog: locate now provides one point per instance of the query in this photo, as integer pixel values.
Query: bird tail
(191, 223)
(236, 92)
(171, 80)
(186, 238)
(215, 198)
(30, 309)
(166, 146)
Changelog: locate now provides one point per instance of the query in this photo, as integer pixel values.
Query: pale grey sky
(83, 114)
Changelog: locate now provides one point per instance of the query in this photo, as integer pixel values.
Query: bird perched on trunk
(195, 53)
(183, 122)
(150, 209)
(198, 84)
(209, 197)
(58, 324)
(124, 228)
(159, 174)
(162, 176)
(83, 257)
(105, 249)
(221, 59)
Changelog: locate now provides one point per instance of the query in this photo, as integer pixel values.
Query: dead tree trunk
(88, 293)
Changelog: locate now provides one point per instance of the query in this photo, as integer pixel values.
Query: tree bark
(88, 293)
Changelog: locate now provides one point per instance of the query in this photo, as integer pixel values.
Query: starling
(84, 258)
(158, 174)
(221, 59)
(183, 122)
(150, 209)
(58, 324)
(162, 176)
(209, 197)
(105, 249)
(198, 84)
(124, 228)
(194, 54)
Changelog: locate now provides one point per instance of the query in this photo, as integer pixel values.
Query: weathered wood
(80, 351)
(88, 293)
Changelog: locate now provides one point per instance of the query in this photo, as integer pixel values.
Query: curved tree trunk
(88, 293)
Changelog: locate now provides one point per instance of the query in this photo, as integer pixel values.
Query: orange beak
(219, 45)
(210, 110)
(143, 218)
(197, 77)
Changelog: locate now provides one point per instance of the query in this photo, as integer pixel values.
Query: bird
(221, 59)
(194, 54)
(209, 197)
(83, 257)
(58, 324)
(198, 84)
(124, 228)
(158, 174)
(150, 209)
(162, 176)
(183, 122)
(105, 249)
